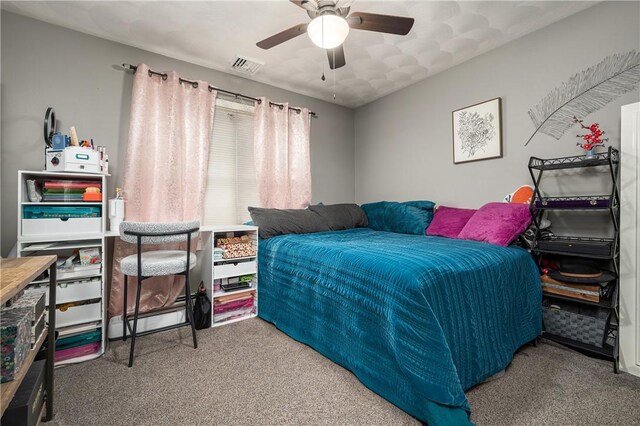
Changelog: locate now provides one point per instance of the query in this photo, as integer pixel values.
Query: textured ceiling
(211, 33)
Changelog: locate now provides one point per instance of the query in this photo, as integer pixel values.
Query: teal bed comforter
(417, 319)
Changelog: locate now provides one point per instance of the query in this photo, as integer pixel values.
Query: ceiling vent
(246, 65)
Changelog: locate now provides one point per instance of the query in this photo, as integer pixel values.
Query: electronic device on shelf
(235, 286)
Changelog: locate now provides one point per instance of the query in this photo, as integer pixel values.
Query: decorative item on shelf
(592, 140)
(92, 193)
(90, 256)
(522, 195)
(116, 211)
(477, 132)
(33, 192)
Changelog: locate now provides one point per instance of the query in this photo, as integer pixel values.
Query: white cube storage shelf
(80, 295)
(51, 228)
(223, 269)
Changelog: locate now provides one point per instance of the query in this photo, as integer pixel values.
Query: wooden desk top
(16, 274)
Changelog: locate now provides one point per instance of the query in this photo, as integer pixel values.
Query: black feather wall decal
(585, 93)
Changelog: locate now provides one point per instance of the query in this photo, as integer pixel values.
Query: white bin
(79, 314)
(55, 226)
(234, 269)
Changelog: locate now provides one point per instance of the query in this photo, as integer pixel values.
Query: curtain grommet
(195, 84)
(150, 74)
(164, 76)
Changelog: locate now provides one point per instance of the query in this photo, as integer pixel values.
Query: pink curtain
(165, 171)
(281, 150)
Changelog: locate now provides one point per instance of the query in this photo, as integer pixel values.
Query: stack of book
(590, 292)
(78, 343)
(226, 308)
(66, 190)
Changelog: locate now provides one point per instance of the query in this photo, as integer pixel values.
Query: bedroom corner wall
(46, 65)
(404, 140)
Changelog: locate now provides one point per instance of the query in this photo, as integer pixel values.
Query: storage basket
(585, 324)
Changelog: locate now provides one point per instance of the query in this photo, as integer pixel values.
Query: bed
(417, 319)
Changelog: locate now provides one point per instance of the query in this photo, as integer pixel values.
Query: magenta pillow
(497, 223)
(449, 221)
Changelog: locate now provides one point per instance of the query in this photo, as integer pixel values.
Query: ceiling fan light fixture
(328, 31)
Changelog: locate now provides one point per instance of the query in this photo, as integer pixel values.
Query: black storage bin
(581, 323)
(26, 405)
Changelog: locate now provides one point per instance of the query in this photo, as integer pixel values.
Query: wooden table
(16, 274)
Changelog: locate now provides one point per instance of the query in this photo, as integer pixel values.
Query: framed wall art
(477, 132)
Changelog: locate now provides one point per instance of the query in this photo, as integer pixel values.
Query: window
(231, 180)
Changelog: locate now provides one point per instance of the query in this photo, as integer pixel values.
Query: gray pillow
(273, 222)
(341, 216)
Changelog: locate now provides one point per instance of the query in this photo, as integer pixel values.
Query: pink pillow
(497, 223)
(449, 221)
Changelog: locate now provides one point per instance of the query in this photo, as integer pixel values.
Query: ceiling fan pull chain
(334, 75)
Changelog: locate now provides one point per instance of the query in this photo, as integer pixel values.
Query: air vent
(246, 65)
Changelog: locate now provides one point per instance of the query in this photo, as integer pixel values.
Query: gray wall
(404, 140)
(46, 65)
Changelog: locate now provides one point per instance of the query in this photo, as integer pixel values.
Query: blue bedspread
(417, 319)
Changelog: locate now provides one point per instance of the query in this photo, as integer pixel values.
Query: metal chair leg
(124, 311)
(189, 310)
(135, 323)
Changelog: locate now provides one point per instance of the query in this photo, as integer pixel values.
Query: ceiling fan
(330, 24)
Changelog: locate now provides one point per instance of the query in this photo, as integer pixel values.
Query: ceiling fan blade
(339, 57)
(309, 5)
(283, 36)
(380, 23)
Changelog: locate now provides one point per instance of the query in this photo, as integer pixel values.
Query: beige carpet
(249, 373)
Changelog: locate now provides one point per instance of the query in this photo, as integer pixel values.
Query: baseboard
(631, 369)
(147, 323)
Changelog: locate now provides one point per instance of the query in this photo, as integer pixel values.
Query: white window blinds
(231, 180)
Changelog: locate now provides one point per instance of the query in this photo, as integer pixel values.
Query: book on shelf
(588, 292)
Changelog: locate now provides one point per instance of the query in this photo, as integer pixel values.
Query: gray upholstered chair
(157, 263)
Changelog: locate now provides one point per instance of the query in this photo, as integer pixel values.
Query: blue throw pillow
(411, 217)
(421, 204)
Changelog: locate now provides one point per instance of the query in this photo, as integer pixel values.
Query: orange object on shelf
(92, 194)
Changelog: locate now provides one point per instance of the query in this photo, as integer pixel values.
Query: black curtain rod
(134, 68)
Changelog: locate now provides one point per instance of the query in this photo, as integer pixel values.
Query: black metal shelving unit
(598, 249)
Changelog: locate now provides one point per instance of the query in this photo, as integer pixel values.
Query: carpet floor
(249, 373)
